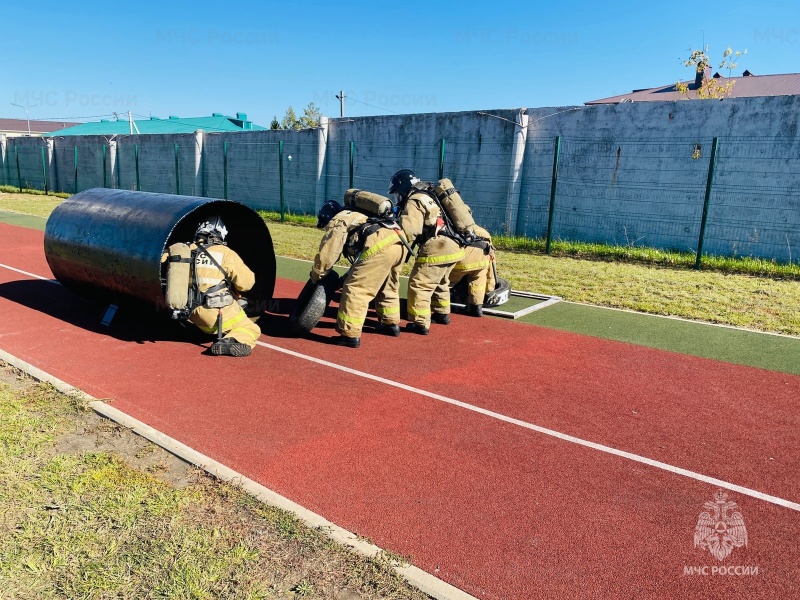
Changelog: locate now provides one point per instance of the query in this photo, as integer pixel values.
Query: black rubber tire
(312, 302)
(500, 294)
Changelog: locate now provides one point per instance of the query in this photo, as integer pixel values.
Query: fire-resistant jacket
(208, 275)
(333, 242)
(419, 223)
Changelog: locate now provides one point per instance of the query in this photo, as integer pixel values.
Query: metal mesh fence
(754, 209)
(28, 167)
(628, 192)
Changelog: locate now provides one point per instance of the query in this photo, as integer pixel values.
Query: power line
(373, 106)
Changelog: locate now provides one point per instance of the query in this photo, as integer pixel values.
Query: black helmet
(329, 210)
(212, 228)
(402, 181)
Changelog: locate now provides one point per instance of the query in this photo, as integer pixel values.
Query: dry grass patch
(82, 516)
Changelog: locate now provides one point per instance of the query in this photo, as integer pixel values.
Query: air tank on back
(107, 244)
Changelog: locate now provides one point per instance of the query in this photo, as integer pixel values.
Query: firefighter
(215, 270)
(376, 249)
(477, 269)
(438, 252)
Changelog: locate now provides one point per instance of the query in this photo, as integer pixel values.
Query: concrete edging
(415, 576)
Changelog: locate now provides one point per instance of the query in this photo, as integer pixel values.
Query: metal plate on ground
(519, 304)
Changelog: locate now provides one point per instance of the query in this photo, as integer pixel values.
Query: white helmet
(213, 227)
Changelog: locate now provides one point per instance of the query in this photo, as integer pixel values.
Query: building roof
(216, 122)
(748, 85)
(36, 126)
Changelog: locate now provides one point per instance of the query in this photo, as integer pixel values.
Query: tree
(290, 120)
(274, 124)
(710, 87)
(311, 116)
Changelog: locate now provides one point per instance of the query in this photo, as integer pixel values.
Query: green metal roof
(216, 122)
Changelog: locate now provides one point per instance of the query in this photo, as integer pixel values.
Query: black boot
(392, 329)
(347, 342)
(417, 328)
(441, 318)
(475, 310)
(230, 347)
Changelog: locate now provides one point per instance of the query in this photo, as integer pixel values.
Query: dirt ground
(94, 433)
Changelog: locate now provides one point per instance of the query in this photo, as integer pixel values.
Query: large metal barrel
(107, 244)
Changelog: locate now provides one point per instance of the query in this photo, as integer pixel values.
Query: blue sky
(93, 58)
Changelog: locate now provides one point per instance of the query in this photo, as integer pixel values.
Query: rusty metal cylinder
(107, 244)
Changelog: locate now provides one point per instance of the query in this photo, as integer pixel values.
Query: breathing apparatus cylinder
(368, 202)
(454, 206)
(178, 276)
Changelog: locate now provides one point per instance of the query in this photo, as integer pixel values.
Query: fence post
(76, 170)
(3, 158)
(19, 175)
(136, 161)
(706, 200)
(352, 161)
(177, 173)
(225, 170)
(322, 164)
(112, 162)
(44, 171)
(553, 184)
(441, 158)
(199, 183)
(280, 175)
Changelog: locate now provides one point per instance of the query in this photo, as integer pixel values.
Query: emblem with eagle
(720, 528)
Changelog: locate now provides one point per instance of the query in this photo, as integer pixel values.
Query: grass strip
(88, 525)
(743, 292)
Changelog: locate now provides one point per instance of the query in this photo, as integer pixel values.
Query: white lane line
(430, 584)
(30, 274)
(556, 434)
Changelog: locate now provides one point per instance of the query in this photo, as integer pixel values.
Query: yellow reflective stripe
(348, 319)
(380, 245)
(443, 258)
(387, 311)
(472, 266)
(440, 303)
(226, 325)
(239, 332)
(418, 313)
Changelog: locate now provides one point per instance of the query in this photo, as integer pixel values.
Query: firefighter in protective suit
(438, 253)
(377, 251)
(214, 268)
(477, 269)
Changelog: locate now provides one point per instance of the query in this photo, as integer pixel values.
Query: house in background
(19, 127)
(217, 122)
(748, 85)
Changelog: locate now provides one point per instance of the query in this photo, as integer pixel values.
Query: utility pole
(26, 107)
(341, 103)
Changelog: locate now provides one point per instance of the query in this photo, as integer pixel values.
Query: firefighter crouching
(477, 269)
(376, 248)
(424, 226)
(205, 295)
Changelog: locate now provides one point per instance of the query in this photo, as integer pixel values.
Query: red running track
(490, 506)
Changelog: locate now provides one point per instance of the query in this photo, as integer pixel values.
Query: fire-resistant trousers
(425, 278)
(235, 323)
(377, 277)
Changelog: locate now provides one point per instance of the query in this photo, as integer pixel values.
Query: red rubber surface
(493, 508)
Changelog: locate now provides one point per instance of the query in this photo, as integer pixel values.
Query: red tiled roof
(744, 87)
(36, 126)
